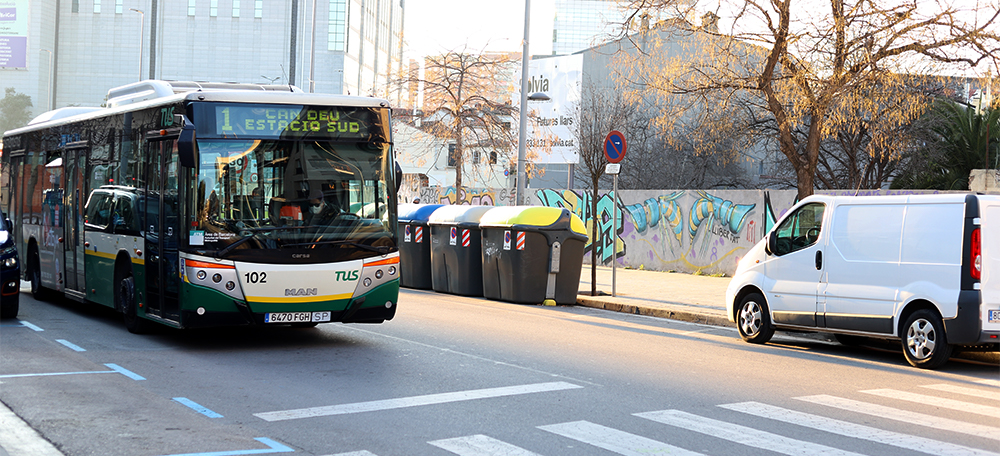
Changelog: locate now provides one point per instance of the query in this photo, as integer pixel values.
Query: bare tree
(467, 99)
(803, 62)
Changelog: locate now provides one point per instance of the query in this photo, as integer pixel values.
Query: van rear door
(989, 231)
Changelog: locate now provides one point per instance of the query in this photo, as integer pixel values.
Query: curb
(674, 313)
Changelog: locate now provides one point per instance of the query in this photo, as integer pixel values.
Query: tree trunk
(458, 160)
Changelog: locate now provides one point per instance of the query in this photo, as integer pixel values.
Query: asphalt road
(455, 375)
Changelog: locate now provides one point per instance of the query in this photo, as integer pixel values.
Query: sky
(435, 26)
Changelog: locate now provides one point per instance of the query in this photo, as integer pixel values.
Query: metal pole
(51, 103)
(521, 132)
(142, 31)
(312, 52)
(614, 235)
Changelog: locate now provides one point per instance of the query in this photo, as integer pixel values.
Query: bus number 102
(256, 277)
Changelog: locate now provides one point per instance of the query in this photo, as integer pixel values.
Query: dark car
(10, 270)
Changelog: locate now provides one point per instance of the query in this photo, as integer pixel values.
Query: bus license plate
(297, 317)
(994, 316)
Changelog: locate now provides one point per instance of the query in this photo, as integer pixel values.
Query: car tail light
(976, 268)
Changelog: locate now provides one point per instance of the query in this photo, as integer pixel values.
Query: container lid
(416, 212)
(455, 214)
(540, 217)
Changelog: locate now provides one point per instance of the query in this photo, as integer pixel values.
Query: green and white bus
(198, 205)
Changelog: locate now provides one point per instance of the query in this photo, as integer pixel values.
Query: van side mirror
(187, 145)
(772, 240)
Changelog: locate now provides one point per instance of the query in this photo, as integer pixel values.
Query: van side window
(98, 211)
(800, 230)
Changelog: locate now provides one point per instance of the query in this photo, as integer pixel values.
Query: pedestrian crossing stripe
(942, 402)
(620, 442)
(964, 390)
(853, 430)
(480, 445)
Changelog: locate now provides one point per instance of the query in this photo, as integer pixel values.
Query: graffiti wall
(693, 231)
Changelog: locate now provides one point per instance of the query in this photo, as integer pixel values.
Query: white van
(924, 269)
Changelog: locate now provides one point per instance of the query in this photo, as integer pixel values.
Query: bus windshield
(265, 195)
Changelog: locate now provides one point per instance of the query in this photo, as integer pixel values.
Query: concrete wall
(693, 231)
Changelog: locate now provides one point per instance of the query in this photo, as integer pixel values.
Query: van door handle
(819, 260)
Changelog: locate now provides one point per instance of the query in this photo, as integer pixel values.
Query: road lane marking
(741, 434)
(964, 391)
(355, 453)
(924, 399)
(857, 431)
(197, 407)
(272, 447)
(905, 416)
(29, 325)
(480, 445)
(125, 372)
(414, 401)
(620, 442)
(71, 345)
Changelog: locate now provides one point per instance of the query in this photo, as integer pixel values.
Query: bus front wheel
(125, 295)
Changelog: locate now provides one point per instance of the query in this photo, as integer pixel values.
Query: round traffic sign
(614, 146)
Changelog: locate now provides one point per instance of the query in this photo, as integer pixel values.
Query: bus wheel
(38, 292)
(924, 342)
(125, 296)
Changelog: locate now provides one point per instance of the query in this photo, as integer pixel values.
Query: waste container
(415, 245)
(532, 254)
(456, 250)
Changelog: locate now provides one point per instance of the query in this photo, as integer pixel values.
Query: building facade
(581, 24)
(75, 50)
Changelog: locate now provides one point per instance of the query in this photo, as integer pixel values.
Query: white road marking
(614, 440)
(71, 345)
(858, 431)
(908, 417)
(741, 434)
(480, 445)
(414, 401)
(965, 391)
(355, 453)
(990, 382)
(935, 401)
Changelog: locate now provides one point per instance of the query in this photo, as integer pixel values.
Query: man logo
(300, 292)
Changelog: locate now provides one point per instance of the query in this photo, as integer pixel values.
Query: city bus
(209, 204)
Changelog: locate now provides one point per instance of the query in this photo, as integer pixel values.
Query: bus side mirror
(187, 146)
(399, 177)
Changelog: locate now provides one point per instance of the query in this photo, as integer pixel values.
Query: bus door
(162, 230)
(74, 197)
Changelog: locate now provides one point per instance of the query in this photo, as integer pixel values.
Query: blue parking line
(125, 372)
(274, 447)
(71, 345)
(197, 407)
(29, 325)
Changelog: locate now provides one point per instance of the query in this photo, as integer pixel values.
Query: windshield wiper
(244, 239)
(380, 249)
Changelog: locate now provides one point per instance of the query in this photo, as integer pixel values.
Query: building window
(76, 6)
(236, 8)
(119, 6)
(97, 6)
(337, 39)
(258, 9)
(452, 156)
(190, 7)
(213, 8)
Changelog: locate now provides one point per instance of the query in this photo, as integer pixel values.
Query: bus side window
(125, 220)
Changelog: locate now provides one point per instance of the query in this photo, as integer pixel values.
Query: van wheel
(125, 295)
(753, 320)
(924, 342)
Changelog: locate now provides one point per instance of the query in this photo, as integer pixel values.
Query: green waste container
(456, 250)
(532, 254)
(415, 248)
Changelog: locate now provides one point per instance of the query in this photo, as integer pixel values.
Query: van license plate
(297, 317)
(994, 316)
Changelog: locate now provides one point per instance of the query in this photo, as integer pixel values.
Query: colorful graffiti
(467, 196)
(608, 244)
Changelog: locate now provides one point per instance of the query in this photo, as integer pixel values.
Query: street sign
(612, 168)
(614, 146)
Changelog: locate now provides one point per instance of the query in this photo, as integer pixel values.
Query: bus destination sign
(290, 122)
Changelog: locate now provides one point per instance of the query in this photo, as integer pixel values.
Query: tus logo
(343, 276)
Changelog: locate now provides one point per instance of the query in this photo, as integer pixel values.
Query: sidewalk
(678, 296)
